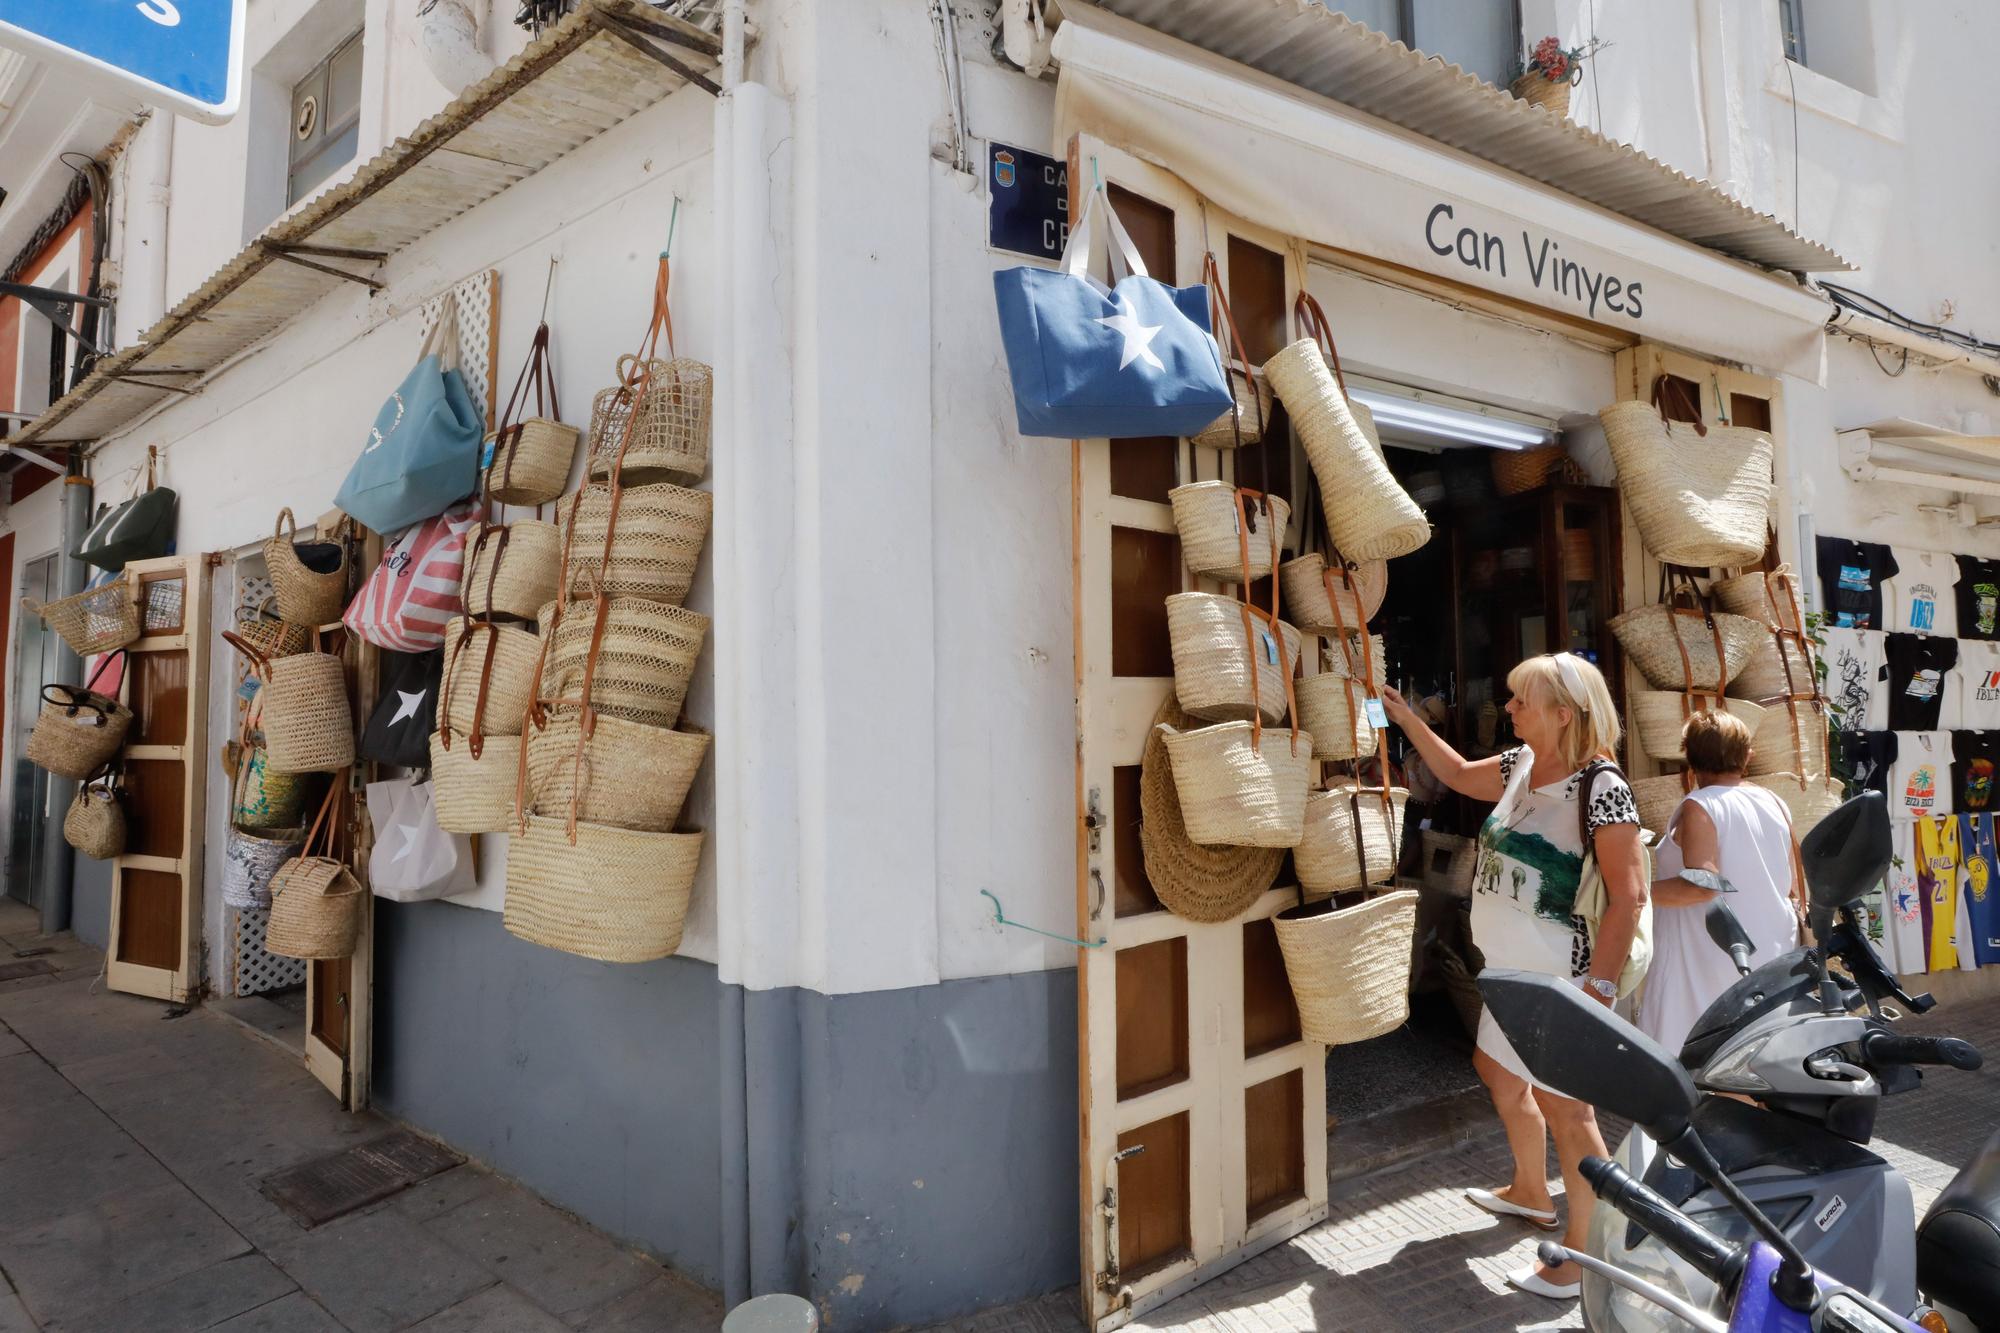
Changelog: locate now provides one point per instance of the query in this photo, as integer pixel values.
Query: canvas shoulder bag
(423, 451)
(1592, 897)
(139, 528)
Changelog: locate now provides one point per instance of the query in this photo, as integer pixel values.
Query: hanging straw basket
(1701, 500)
(1350, 841)
(1657, 717)
(475, 794)
(1764, 675)
(1303, 583)
(1448, 862)
(531, 461)
(1212, 657)
(491, 702)
(1251, 411)
(670, 439)
(76, 731)
(644, 660)
(249, 860)
(1775, 749)
(1538, 89)
(95, 824)
(614, 894)
(1331, 708)
(632, 776)
(1368, 515)
(1345, 655)
(308, 726)
(1769, 599)
(96, 620)
(316, 907)
(1647, 634)
(263, 629)
(1657, 799)
(1194, 882)
(1518, 471)
(1207, 515)
(1809, 800)
(1239, 791)
(1350, 966)
(511, 571)
(661, 531)
(308, 578)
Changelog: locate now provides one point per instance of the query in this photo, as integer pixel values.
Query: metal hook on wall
(1000, 919)
(549, 287)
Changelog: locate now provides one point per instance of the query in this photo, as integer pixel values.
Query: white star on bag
(1138, 337)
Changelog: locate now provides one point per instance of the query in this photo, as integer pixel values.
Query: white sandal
(1493, 1203)
(1532, 1282)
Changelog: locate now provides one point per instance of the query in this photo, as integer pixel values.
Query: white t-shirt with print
(1979, 684)
(1920, 598)
(1856, 684)
(1920, 779)
(1903, 921)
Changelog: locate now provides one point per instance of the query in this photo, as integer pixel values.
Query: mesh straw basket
(1770, 599)
(95, 620)
(1241, 786)
(612, 894)
(308, 578)
(1765, 676)
(1194, 882)
(1657, 799)
(1517, 471)
(1809, 800)
(1350, 841)
(76, 731)
(316, 907)
(1252, 410)
(95, 824)
(661, 531)
(1209, 519)
(1331, 708)
(261, 627)
(1648, 635)
(531, 462)
(489, 677)
(644, 661)
(250, 859)
(1778, 748)
(1350, 966)
(1368, 515)
(1212, 657)
(670, 439)
(476, 793)
(632, 775)
(1701, 498)
(1303, 583)
(308, 726)
(511, 571)
(1657, 717)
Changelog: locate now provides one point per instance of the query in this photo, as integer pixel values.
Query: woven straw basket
(1699, 500)
(1331, 708)
(1350, 841)
(1346, 656)
(250, 859)
(1207, 516)
(96, 620)
(1657, 799)
(1657, 717)
(1303, 583)
(661, 531)
(670, 439)
(633, 776)
(1212, 657)
(308, 726)
(95, 824)
(531, 464)
(498, 706)
(265, 798)
(1448, 862)
(615, 895)
(261, 628)
(76, 731)
(1775, 603)
(1809, 801)
(1252, 410)
(316, 905)
(1238, 792)
(644, 661)
(1538, 89)
(1350, 966)
(1518, 471)
(1764, 675)
(1193, 882)
(1647, 634)
(1775, 750)
(1368, 515)
(511, 571)
(476, 795)
(308, 578)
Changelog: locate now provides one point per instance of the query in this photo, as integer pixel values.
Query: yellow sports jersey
(1937, 888)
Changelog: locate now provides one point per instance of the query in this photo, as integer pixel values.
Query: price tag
(1270, 648)
(486, 453)
(1378, 716)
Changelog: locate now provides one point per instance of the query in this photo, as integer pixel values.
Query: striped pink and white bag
(413, 594)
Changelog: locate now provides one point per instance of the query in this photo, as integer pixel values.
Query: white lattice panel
(478, 302)
(257, 971)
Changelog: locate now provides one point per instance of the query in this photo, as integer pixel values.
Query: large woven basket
(1657, 799)
(661, 531)
(1209, 518)
(316, 905)
(511, 571)
(95, 824)
(1213, 657)
(308, 578)
(1303, 584)
(1194, 882)
(616, 895)
(1239, 791)
(1368, 514)
(250, 859)
(308, 725)
(1334, 710)
(629, 775)
(76, 731)
(472, 698)
(1648, 635)
(644, 660)
(1518, 471)
(1347, 655)
(670, 438)
(1243, 423)
(1350, 840)
(1538, 89)
(95, 620)
(1657, 717)
(1778, 748)
(1350, 966)
(1765, 675)
(476, 793)
(1809, 800)
(1701, 500)
(1770, 599)
(531, 461)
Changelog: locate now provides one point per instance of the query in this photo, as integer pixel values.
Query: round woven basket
(1764, 675)
(1206, 515)
(1657, 799)
(1237, 792)
(644, 660)
(1700, 500)
(1368, 515)
(316, 905)
(1212, 658)
(670, 439)
(1776, 750)
(501, 702)
(531, 465)
(1339, 728)
(476, 795)
(616, 895)
(1303, 583)
(1517, 471)
(1809, 801)
(95, 620)
(261, 628)
(309, 579)
(1537, 89)
(661, 532)
(1774, 602)
(308, 726)
(631, 775)
(1252, 410)
(250, 859)
(1194, 882)
(511, 571)
(1350, 966)
(1657, 717)
(1647, 634)
(1349, 841)
(76, 731)
(95, 824)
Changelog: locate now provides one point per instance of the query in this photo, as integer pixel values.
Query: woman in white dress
(1530, 865)
(1734, 829)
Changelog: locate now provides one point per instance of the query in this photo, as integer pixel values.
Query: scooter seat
(1958, 1242)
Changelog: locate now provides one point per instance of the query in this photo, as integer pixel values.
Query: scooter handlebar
(1894, 1048)
(1718, 1260)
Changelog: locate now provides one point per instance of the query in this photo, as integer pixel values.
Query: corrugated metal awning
(1314, 48)
(593, 70)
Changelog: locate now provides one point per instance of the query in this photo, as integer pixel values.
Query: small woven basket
(1303, 583)
(1350, 966)
(267, 633)
(612, 894)
(476, 793)
(76, 731)
(630, 775)
(1538, 89)
(1648, 636)
(472, 699)
(645, 657)
(670, 438)
(511, 571)
(1769, 599)
(1350, 840)
(1778, 668)
(95, 824)
(1209, 520)
(531, 462)
(250, 859)
(1657, 717)
(661, 532)
(1252, 410)
(1518, 471)
(1778, 748)
(1657, 799)
(1809, 799)
(1212, 657)
(1194, 882)
(1237, 790)
(95, 620)
(316, 905)
(308, 725)
(308, 578)
(1331, 708)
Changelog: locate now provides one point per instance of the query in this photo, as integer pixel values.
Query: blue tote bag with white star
(1089, 361)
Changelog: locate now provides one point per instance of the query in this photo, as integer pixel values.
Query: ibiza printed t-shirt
(1856, 684)
(1921, 596)
(1920, 778)
(1864, 758)
(1978, 598)
(1851, 575)
(1975, 763)
(1978, 684)
(1916, 670)
(1979, 942)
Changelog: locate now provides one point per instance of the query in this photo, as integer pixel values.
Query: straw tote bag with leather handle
(527, 460)
(316, 902)
(309, 578)
(655, 424)
(1700, 494)
(1247, 418)
(95, 824)
(308, 723)
(78, 730)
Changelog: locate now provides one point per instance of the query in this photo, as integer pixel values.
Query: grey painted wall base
(90, 900)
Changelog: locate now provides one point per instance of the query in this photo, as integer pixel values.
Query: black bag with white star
(399, 730)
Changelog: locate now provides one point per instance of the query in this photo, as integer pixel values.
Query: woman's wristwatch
(1599, 986)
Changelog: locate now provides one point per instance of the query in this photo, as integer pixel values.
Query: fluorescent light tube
(1450, 424)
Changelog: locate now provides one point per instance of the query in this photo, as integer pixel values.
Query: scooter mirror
(1848, 852)
(1728, 934)
(1577, 1046)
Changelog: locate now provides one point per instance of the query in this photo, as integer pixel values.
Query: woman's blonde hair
(1564, 680)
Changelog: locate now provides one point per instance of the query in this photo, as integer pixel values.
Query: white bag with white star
(413, 859)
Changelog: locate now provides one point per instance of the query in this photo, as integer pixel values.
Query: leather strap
(1669, 386)
(326, 806)
(1676, 582)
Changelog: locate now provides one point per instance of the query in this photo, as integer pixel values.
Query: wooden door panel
(1270, 1014)
(149, 918)
(155, 808)
(331, 977)
(1154, 1222)
(1135, 894)
(158, 699)
(1152, 985)
(1274, 1156)
(1145, 571)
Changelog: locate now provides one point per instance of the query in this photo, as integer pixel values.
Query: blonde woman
(1530, 865)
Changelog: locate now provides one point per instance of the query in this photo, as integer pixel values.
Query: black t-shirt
(1978, 598)
(1917, 663)
(1862, 758)
(1975, 763)
(1850, 581)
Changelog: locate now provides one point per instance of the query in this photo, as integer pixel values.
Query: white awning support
(1910, 453)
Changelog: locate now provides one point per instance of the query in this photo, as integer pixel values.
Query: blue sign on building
(184, 55)
(1027, 208)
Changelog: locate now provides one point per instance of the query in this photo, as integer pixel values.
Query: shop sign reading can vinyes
(1538, 260)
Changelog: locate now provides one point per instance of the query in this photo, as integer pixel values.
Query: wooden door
(156, 884)
(1202, 1112)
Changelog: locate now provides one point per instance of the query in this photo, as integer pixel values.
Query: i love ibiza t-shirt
(1916, 675)
(1921, 596)
(1978, 679)
(1851, 575)
(1978, 598)
(1920, 777)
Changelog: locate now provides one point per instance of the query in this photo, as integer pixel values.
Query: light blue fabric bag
(423, 453)
(1088, 361)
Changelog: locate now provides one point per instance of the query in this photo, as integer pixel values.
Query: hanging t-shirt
(1851, 575)
(1863, 759)
(1903, 924)
(1921, 596)
(1937, 891)
(1916, 667)
(1980, 939)
(1975, 763)
(1978, 684)
(1920, 778)
(1978, 598)
(1856, 685)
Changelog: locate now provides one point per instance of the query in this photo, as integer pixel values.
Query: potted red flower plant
(1547, 75)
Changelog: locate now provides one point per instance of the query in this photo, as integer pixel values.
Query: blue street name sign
(184, 55)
